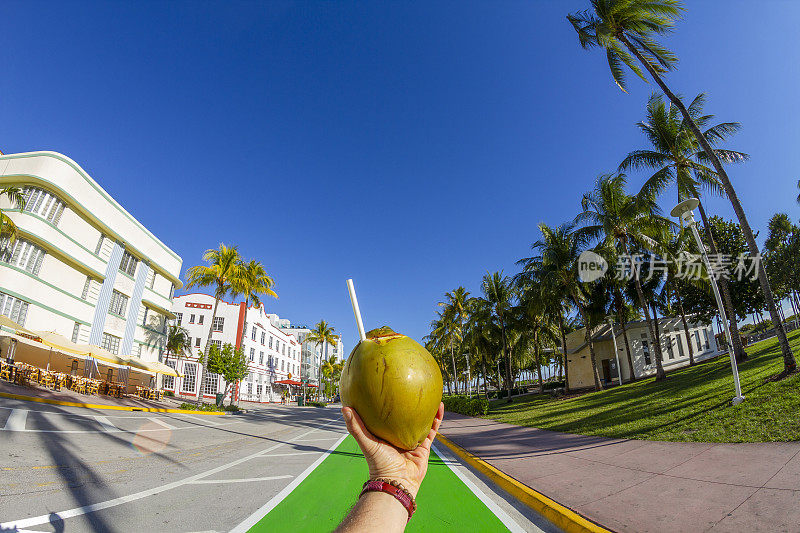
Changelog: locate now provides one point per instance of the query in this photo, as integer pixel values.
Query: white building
(82, 266)
(313, 354)
(674, 350)
(273, 353)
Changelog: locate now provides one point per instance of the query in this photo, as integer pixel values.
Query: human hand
(385, 461)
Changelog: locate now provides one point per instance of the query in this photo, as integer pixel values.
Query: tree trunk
(507, 356)
(624, 325)
(208, 343)
(685, 325)
(651, 330)
(485, 378)
(724, 289)
(789, 363)
(564, 351)
(538, 365)
(455, 373)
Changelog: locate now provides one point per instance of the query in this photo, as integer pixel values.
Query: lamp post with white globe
(685, 212)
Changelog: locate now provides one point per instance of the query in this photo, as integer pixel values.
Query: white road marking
(243, 480)
(16, 420)
(160, 422)
(488, 502)
(319, 439)
(251, 520)
(288, 454)
(212, 422)
(106, 424)
(78, 511)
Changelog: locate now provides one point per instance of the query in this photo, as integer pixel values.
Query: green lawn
(693, 404)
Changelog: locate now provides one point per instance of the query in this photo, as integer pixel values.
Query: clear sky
(411, 146)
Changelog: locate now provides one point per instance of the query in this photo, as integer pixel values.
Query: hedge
(466, 406)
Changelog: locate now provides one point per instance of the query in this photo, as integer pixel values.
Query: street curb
(560, 516)
(108, 407)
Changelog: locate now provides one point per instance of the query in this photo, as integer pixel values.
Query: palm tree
(479, 336)
(621, 221)
(538, 328)
(677, 158)
(626, 28)
(252, 282)
(17, 200)
(224, 265)
(557, 267)
(179, 343)
(332, 369)
(798, 196)
(497, 290)
(454, 315)
(321, 334)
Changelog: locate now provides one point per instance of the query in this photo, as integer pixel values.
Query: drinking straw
(356, 311)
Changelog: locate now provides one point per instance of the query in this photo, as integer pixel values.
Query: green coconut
(395, 386)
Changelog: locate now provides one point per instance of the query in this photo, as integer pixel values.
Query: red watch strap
(376, 485)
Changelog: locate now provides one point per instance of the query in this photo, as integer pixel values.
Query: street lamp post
(685, 212)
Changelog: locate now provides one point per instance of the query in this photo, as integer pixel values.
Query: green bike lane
(323, 498)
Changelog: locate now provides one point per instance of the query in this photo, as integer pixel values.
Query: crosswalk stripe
(203, 420)
(160, 422)
(16, 420)
(244, 480)
(105, 423)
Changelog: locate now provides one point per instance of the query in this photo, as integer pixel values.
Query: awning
(156, 367)
(62, 344)
(288, 382)
(10, 324)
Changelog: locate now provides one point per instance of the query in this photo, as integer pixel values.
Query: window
(76, 329)
(284, 348)
(679, 342)
(99, 244)
(110, 375)
(210, 382)
(128, 264)
(42, 203)
(252, 354)
(13, 308)
(282, 366)
(217, 323)
(270, 341)
(144, 316)
(646, 351)
(260, 358)
(697, 338)
(197, 342)
(110, 343)
(249, 388)
(253, 333)
(191, 319)
(23, 254)
(168, 382)
(670, 351)
(263, 337)
(119, 303)
(200, 319)
(705, 337)
(178, 318)
(259, 388)
(189, 376)
(85, 292)
(218, 344)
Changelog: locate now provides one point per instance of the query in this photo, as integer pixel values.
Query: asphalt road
(76, 469)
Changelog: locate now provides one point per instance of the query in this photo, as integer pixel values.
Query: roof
(576, 340)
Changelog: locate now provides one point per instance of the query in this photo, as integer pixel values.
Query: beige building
(674, 349)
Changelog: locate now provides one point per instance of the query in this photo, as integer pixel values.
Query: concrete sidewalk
(644, 486)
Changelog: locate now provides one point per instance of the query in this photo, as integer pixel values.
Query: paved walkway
(646, 486)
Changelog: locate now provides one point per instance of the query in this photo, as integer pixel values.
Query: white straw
(356, 311)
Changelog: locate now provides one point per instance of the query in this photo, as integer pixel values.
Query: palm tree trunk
(624, 325)
(507, 356)
(485, 378)
(455, 373)
(789, 363)
(208, 343)
(685, 325)
(588, 339)
(564, 351)
(724, 288)
(538, 364)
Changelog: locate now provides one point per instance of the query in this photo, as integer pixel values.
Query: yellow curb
(108, 407)
(562, 517)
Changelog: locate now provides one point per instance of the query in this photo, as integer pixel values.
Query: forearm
(375, 511)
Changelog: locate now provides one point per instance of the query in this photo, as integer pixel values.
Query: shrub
(317, 404)
(204, 407)
(232, 408)
(466, 406)
(169, 393)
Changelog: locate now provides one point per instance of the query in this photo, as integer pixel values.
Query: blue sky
(411, 146)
